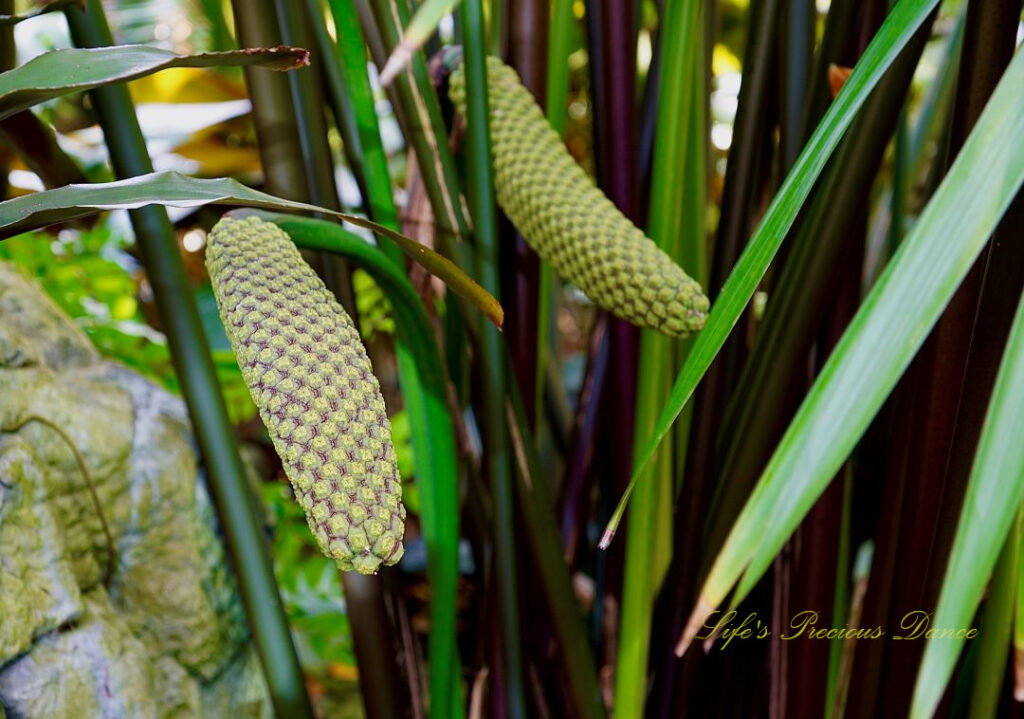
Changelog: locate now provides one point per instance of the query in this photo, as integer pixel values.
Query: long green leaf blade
(897, 30)
(882, 339)
(996, 627)
(30, 212)
(77, 69)
(994, 494)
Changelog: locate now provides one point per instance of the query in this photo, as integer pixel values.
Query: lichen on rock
(167, 636)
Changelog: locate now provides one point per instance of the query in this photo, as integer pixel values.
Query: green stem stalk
(481, 201)
(191, 355)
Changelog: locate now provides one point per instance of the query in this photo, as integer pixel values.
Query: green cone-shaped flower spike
(310, 377)
(570, 223)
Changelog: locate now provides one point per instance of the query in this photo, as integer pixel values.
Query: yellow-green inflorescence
(569, 222)
(309, 375)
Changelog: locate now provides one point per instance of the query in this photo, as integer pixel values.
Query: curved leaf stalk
(480, 188)
(440, 511)
(62, 72)
(424, 384)
(173, 189)
(83, 469)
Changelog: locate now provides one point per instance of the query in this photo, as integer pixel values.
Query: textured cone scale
(570, 223)
(309, 375)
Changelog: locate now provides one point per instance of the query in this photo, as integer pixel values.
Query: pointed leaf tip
(700, 614)
(399, 59)
(290, 58)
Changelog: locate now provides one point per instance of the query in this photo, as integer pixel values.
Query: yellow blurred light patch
(723, 61)
(187, 84)
(124, 308)
(218, 159)
(343, 672)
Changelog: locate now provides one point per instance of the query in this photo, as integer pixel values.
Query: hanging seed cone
(570, 223)
(310, 377)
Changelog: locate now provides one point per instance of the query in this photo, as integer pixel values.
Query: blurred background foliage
(200, 122)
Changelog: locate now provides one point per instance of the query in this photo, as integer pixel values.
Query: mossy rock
(166, 636)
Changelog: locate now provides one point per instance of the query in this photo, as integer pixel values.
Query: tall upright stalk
(611, 50)
(527, 52)
(315, 150)
(796, 48)
(293, 19)
(7, 61)
(191, 355)
(274, 117)
(678, 171)
(945, 390)
(744, 182)
(350, 58)
(821, 249)
(557, 87)
(480, 190)
(440, 507)
(553, 573)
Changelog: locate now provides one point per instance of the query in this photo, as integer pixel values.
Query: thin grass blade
(350, 56)
(559, 37)
(994, 494)
(996, 627)
(1018, 639)
(496, 380)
